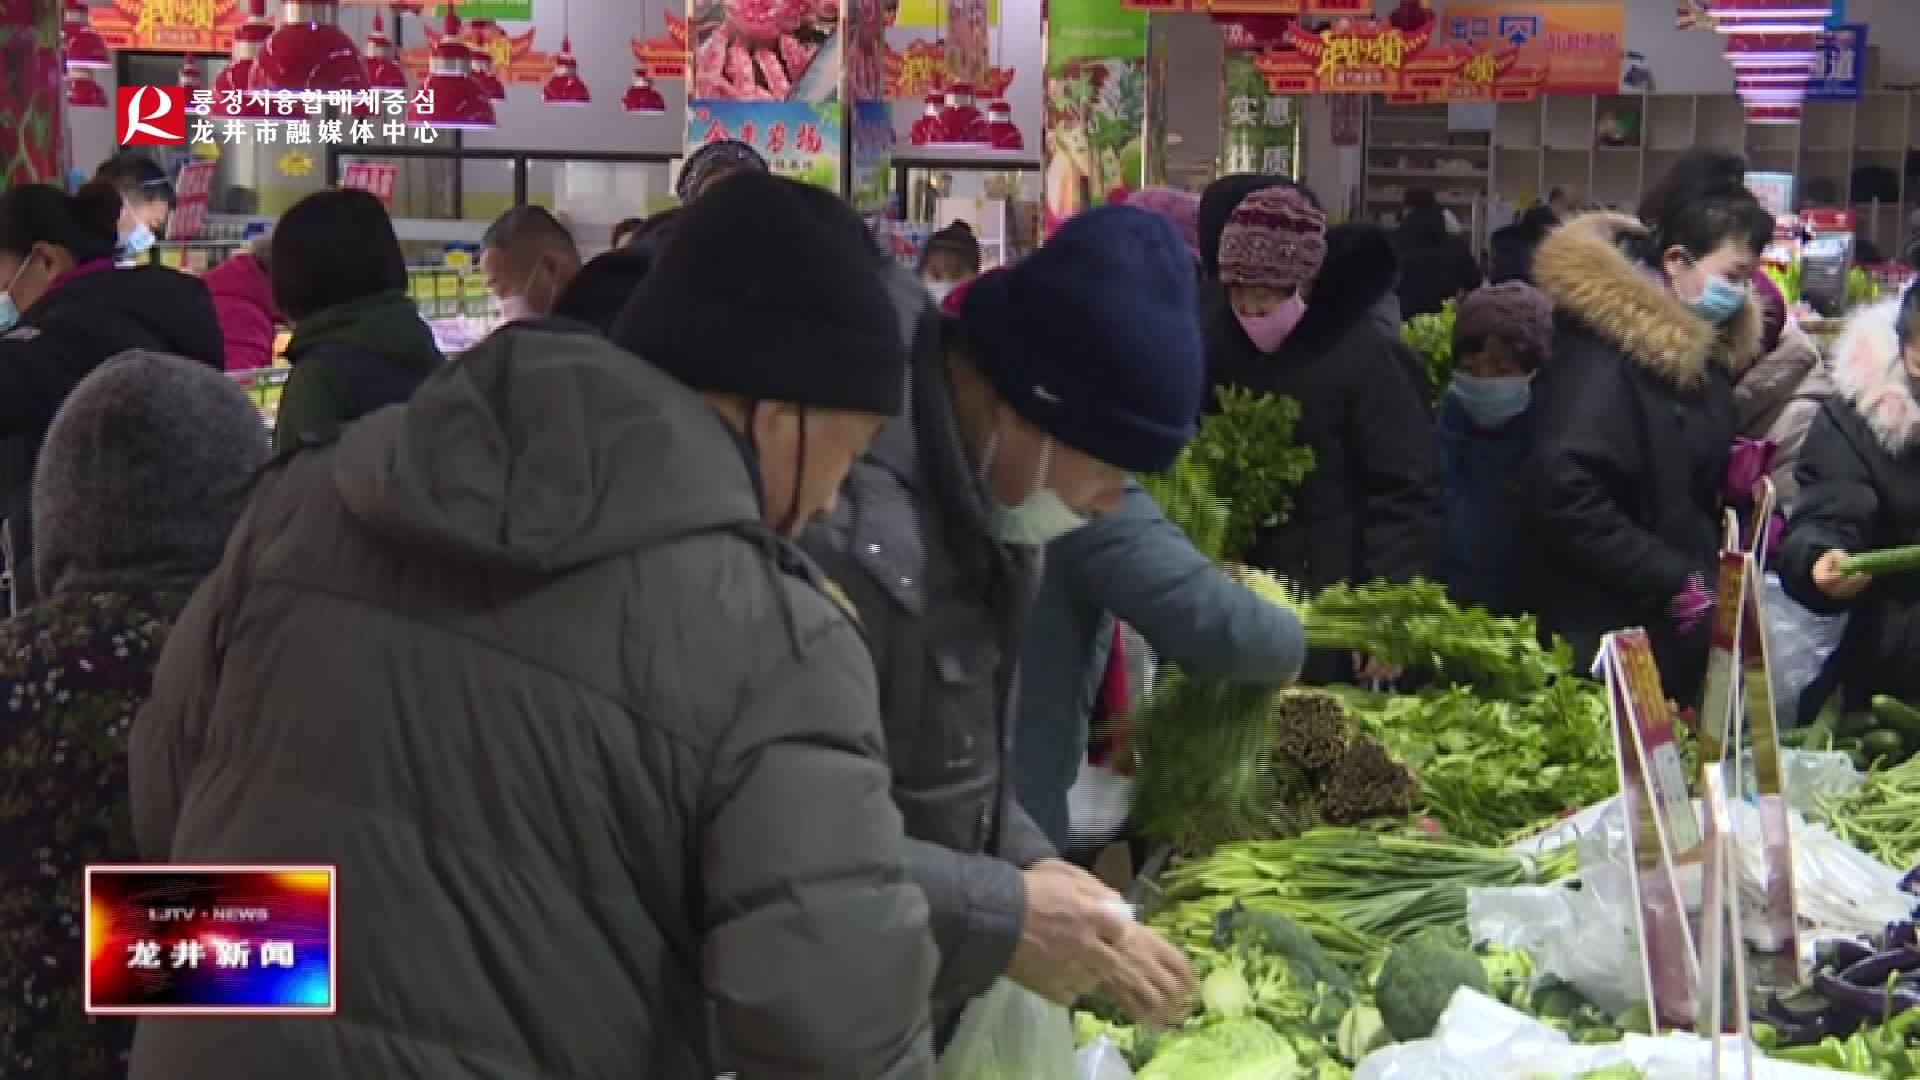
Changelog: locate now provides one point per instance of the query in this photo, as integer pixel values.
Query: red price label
(375, 179)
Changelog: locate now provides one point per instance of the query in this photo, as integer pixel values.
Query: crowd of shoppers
(709, 706)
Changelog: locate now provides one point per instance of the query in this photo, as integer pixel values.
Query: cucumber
(1885, 744)
(1896, 714)
(1898, 560)
(1854, 723)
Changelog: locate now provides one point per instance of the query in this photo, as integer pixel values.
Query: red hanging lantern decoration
(926, 130)
(641, 99)
(83, 92)
(382, 72)
(962, 125)
(308, 52)
(480, 59)
(82, 45)
(452, 98)
(190, 75)
(231, 95)
(564, 86)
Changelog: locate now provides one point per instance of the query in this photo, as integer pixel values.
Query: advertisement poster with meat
(1095, 105)
(798, 139)
(766, 50)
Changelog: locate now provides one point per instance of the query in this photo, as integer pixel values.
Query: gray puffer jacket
(943, 606)
(597, 757)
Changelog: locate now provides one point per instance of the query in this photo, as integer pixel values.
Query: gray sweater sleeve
(1135, 563)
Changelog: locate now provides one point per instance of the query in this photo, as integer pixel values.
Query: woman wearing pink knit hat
(1182, 208)
(1371, 506)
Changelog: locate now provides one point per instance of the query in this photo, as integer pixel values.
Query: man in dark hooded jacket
(532, 660)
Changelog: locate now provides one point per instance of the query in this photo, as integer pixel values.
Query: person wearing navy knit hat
(1034, 391)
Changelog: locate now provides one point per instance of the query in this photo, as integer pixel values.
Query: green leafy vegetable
(1431, 336)
(1419, 980)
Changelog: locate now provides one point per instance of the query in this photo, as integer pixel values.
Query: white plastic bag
(1100, 1060)
(1799, 643)
(1480, 1039)
(1010, 1031)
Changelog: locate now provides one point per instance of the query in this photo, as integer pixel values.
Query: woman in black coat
(1859, 480)
(1435, 265)
(1371, 506)
(1636, 416)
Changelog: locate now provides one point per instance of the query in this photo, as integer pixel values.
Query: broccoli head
(1419, 979)
(1281, 938)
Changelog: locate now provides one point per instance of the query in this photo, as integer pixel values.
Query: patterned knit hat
(722, 156)
(1182, 208)
(1274, 238)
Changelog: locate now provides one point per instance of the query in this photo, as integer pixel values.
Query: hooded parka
(1635, 421)
(596, 755)
(1859, 476)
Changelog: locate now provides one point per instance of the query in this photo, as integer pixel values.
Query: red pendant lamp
(83, 92)
(309, 51)
(564, 86)
(81, 43)
(231, 95)
(382, 72)
(454, 100)
(962, 125)
(926, 130)
(1770, 16)
(1003, 135)
(190, 75)
(641, 99)
(480, 52)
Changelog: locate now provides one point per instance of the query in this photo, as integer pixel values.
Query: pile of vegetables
(1880, 817)
(1237, 476)
(1356, 892)
(1888, 734)
(1431, 336)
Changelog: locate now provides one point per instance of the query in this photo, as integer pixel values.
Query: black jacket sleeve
(39, 367)
(1836, 506)
(1397, 469)
(1588, 467)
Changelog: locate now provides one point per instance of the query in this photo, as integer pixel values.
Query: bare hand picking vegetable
(1155, 984)
(1829, 579)
(1071, 935)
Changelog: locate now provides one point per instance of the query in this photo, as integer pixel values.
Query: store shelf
(1406, 148)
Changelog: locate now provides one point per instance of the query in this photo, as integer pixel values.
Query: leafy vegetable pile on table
(1491, 768)
(1880, 817)
(1432, 337)
(1237, 476)
(1355, 891)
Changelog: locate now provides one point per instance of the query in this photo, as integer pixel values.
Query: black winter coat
(1371, 508)
(1859, 476)
(1636, 419)
(1432, 274)
(83, 322)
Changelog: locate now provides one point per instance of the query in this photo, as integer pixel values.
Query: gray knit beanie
(143, 475)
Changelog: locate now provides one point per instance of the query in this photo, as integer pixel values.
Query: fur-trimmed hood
(1869, 375)
(1583, 268)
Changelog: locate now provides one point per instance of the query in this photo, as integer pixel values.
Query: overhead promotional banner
(192, 26)
(1353, 8)
(1839, 63)
(1575, 48)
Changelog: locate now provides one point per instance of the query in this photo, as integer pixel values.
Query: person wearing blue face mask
(1486, 427)
(1636, 411)
(147, 200)
(65, 309)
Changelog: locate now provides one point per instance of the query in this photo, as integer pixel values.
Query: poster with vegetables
(1095, 105)
(797, 139)
(30, 128)
(1260, 128)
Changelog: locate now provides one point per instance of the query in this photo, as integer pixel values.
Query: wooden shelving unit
(1412, 146)
(1551, 142)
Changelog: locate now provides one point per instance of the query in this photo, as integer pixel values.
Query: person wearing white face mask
(1035, 390)
(529, 258)
(951, 257)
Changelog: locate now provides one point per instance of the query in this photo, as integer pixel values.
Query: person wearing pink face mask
(1288, 322)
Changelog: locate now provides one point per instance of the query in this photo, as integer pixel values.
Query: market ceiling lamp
(1003, 135)
(564, 86)
(454, 99)
(1773, 114)
(1770, 16)
(926, 130)
(641, 99)
(230, 86)
(481, 59)
(962, 125)
(190, 75)
(382, 72)
(82, 45)
(83, 92)
(1772, 74)
(308, 51)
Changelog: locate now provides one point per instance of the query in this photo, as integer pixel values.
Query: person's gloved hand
(1748, 463)
(1689, 610)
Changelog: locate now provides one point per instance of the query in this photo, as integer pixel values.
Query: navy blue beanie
(1094, 338)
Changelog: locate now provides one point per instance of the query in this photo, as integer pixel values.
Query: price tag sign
(375, 178)
(192, 188)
